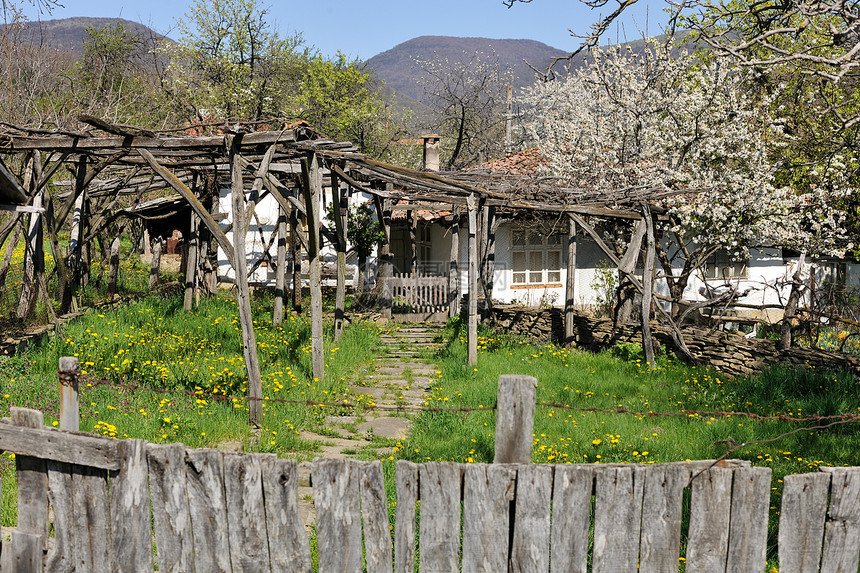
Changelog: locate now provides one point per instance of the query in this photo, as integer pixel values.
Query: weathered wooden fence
(417, 293)
(206, 510)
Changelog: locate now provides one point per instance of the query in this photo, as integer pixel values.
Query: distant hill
(401, 73)
(67, 34)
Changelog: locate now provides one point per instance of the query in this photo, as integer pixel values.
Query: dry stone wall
(728, 352)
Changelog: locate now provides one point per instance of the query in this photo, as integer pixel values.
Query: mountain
(68, 34)
(400, 71)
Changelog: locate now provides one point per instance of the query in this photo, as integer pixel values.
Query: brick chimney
(431, 152)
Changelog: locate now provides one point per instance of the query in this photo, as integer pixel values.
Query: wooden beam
(68, 447)
(472, 333)
(195, 203)
(240, 269)
(74, 144)
(22, 208)
(312, 179)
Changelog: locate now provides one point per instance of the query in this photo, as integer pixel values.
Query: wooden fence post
(515, 413)
(32, 484)
(70, 415)
(113, 274)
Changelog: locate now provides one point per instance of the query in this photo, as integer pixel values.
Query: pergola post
(191, 264)
(570, 282)
(312, 179)
(281, 270)
(295, 258)
(472, 334)
(648, 285)
(113, 275)
(454, 269)
(34, 256)
(240, 268)
(340, 207)
(383, 208)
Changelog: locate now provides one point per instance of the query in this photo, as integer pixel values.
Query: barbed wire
(833, 419)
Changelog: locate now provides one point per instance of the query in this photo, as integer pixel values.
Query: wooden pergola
(123, 165)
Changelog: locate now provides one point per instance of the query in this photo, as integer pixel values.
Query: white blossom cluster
(667, 120)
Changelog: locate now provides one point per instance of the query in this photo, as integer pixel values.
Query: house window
(536, 258)
(723, 265)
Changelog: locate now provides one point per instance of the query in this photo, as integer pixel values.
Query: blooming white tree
(699, 128)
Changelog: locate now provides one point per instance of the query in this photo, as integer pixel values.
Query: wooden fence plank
(131, 533)
(173, 536)
(32, 480)
(374, 518)
(801, 521)
(748, 522)
(617, 518)
(207, 503)
(92, 527)
(26, 552)
(288, 541)
(50, 444)
(530, 543)
(487, 493)
(406, 478)
(842, 530)
(61, 557)
(336, 499)
(571, 517)
(439, 526)
(662, 506)
(710, 506)
(246, 513)
(515, 413)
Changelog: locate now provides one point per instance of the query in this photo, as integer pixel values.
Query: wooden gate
(420, 297)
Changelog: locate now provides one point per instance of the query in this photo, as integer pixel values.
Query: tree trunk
(785, 339)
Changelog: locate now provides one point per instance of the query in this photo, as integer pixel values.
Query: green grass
(191, 370)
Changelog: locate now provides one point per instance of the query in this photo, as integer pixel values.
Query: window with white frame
(723, 265)
(536, 258)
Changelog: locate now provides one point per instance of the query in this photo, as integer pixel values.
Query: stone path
(400, 377)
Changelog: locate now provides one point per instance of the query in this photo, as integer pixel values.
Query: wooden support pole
(70, 413)
(243, 297)
(454, 296)
(191, 264)
(384, 259)
(648, 286)
(515, 414)
(155, 263)
(570, 283)
(296, 259)
(34, 257)
(312, 179)
(624, 308)
(280, 270)
(340, 208)
(412, 218)
(113, 274)
(472, 333)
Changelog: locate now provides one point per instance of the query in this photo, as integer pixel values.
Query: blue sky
(365, 28)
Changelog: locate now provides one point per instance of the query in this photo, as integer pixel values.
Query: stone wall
(727, 352)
